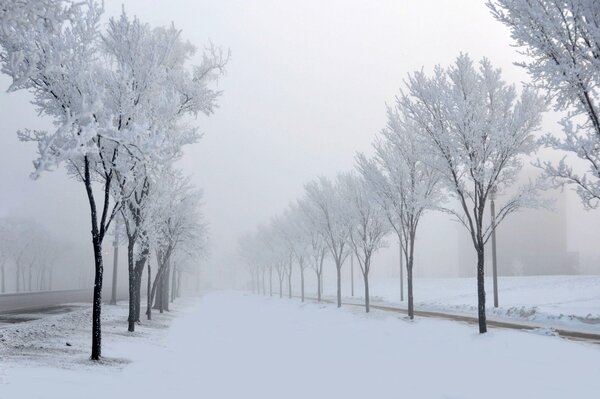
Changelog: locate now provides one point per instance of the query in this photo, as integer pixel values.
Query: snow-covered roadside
(63, 340)
(569, 302)
(233, 345)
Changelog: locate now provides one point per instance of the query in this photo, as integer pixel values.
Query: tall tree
(405, 184)
(478, 129)
(561, 42)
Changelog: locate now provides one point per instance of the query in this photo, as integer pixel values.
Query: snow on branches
(560, 41)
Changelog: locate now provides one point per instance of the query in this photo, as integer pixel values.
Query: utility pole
(401, 269)
(494, 264)
(352, 274)
(113, 298)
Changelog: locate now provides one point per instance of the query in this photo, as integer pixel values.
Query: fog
(305, 89)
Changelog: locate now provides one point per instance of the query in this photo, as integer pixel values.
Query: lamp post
(493, 193)
(113, 298)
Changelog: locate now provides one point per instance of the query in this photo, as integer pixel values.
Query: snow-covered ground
(63, 340)
(571, 302)
(231, 345)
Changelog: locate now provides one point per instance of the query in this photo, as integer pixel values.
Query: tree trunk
(481, 290)
(50, 280)
(131, 285)
(319, 281)
(149, 294)
(97, 299)
(302, 283)
(281, 287)
(401, 268)
(409, 280)
(166, 287)
(158, 280)
(138, 292)
(173, 282)
(264, 287)
(409, 272)
(339, 285)
(366, 279)
(351, 275)
(270, 281)
(290, 282)
(140, 263)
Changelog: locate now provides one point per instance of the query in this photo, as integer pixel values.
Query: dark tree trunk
(339, 285)
(149, 294)
(481, 290)
(158, 293)
(409, 280)
(131, 285)
(367, 299)
(97, 299)
(319, 281)
(138, 292)
(140, 263)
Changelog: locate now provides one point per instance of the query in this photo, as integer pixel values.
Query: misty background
(305, 89)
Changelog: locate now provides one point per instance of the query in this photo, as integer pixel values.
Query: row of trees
(460, 133)
(121, 97)
(28, 256)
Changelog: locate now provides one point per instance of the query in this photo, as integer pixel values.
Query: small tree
(477, 129)
(368, 224)
(317, 246)
(329, 213)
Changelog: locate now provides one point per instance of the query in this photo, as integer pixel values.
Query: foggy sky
(305, 89)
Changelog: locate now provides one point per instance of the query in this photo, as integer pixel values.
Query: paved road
(27, 301)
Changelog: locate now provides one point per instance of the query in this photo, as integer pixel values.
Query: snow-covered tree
(316, 250)
(478, 129)
(326, 207)
(561, 42)
(404, 182)
(151, 89)
(64, 73)
(178, 224)
(368, 223)
(301, 241)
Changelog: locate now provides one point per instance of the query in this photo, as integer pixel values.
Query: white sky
(306, 88)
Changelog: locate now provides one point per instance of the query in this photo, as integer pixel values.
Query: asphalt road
(39, 300)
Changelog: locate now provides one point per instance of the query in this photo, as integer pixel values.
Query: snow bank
(571, 302)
